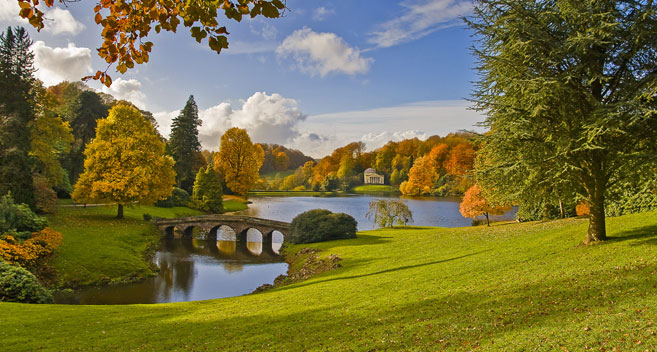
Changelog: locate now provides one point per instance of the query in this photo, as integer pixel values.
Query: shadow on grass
(383, 271)
(642, 235)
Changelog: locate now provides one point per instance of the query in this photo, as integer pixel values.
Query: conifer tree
(208, 193)
(184, 145)
(16, 112)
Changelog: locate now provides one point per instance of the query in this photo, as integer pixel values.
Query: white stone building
(372, 178)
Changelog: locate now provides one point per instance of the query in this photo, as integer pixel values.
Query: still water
(193, 269)
(427, 211)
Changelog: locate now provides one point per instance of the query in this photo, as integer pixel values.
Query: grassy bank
(373, 188)
(98, 248)
(508, 287)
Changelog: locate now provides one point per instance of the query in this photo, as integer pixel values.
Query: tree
(184, 145)
(51, 138)
(238, 160)
(387, 212)
(16, 112)
(126, 24)
(474, 204)
(460, 160)
(568, 88)
(421, 177)
(87, 108)
(125, 163)
(208, 193)
(346, 169)
(281, 161)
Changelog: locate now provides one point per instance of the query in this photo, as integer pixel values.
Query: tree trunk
(120, 214)
(597, 229)
(563, 213)
(487, 219)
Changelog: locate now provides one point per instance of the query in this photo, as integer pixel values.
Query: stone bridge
(208, 226)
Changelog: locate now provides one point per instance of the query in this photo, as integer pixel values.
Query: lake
(194, 270)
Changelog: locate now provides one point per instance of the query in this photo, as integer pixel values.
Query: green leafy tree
(208, 193)
(569, 90)
(16, 112)
(387, 212)
(125, 163)
(184, 145)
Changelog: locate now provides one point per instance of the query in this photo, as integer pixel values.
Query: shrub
(40, 245)
(19, 285)
(46, 197)
(147, 217)
(18, 217)
(179, 198)
(321, 225)
(208, 192)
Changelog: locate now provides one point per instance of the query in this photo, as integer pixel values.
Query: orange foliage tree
(474, 204)
(421, 177)
(461, 159)
(126, 24)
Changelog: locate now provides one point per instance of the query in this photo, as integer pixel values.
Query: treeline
(436, 166)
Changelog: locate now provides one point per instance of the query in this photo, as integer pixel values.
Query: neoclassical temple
(372, 178)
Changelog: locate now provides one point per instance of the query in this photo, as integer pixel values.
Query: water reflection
(191, 270)
(427, 211)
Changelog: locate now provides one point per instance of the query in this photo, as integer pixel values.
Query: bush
(321, 225)
(18, 217)
(147, 217)
(179, 198)
(40, 245)
(19, 285)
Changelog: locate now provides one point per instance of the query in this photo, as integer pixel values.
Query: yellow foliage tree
(474, 204)
(421, 177)
(125, 163)
(239, 160)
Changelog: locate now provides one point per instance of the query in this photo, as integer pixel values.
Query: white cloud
(321, 13)
(267, 118)
(376, 140)
(129, 90)
(59, 21)
(55, 65)
(267, 31)
(420, 18)
(56, 20)
(323, 53)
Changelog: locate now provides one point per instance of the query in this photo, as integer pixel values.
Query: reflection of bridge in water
(243, 231)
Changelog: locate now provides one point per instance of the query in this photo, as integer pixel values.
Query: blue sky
(326, 74)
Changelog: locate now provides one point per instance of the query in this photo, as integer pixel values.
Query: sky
(325, 74)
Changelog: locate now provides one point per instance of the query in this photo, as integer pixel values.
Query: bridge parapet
(210, 223)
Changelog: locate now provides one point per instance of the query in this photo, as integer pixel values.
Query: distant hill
(295, 158)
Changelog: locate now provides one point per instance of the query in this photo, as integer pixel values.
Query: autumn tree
(568, 88)
(474, 204)
(238, 160)
(388, 212)
(184, 144)
(208, 193)
(125, 25)
(281, 161)
(421, 177)
(125, 163)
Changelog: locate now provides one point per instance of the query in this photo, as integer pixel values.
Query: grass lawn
(234, 203)
(98, 248)
(508, 287)
(373, 188)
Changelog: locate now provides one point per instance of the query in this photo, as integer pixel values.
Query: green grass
(293, 193)
(98, 248)
(508, 287)
(373, 188)
(234, 205)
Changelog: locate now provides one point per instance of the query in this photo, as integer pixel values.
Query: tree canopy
(126, 24)
(184, 145)
(125, 163)
(474, 204)
(569, 90)
(238, 160)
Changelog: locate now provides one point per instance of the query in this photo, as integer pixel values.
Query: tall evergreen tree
(184, 145)
(16, 111)
(569, 90)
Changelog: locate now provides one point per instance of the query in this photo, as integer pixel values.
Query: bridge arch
(222, 232)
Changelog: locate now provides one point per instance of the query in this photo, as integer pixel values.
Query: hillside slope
(508, 287)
